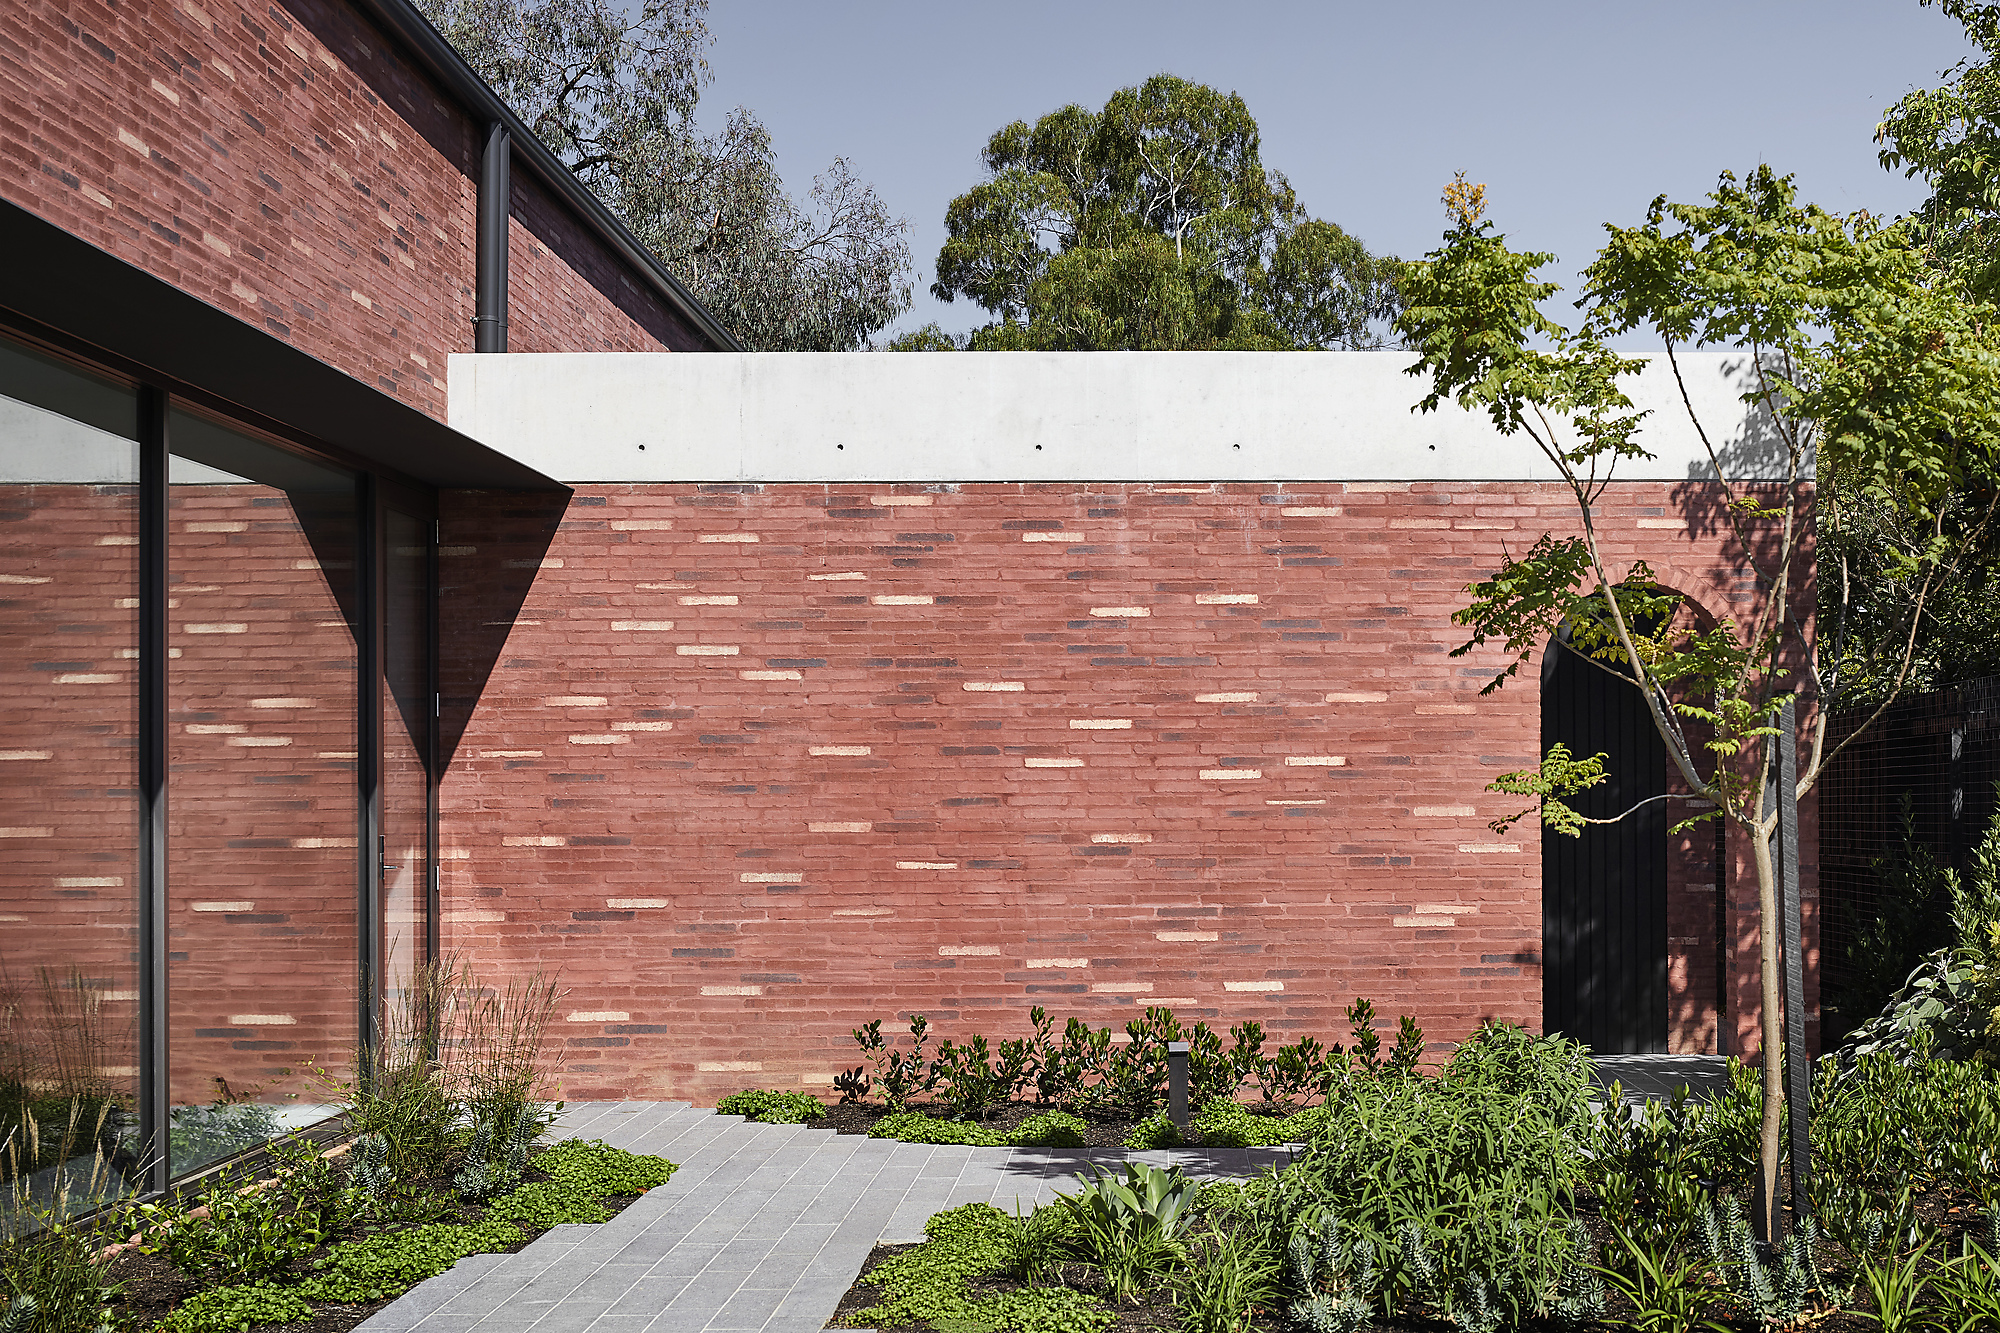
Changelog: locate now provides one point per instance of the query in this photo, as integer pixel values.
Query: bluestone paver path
(763, 1227)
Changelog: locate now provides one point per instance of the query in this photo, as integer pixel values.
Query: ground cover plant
(450, 1160)
(1503, 1189)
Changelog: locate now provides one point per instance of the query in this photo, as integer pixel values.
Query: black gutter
(403, 22)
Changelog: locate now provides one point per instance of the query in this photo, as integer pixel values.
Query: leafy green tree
(1153, 224)
(1866, 365)
(612, 90)
(1948, 136)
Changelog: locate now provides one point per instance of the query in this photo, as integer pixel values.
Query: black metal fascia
(407, 25)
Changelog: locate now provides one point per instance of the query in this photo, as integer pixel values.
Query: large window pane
(408, 708)
(262, 879)
(68, 805)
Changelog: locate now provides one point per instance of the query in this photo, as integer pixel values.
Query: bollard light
(1177, 1085)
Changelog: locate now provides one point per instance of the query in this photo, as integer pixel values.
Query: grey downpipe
(496, 192)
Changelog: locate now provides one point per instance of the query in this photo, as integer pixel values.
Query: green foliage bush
(1234, 1125)
(233, 1234)
(1050, 1129)
(916, 1127)
(601, 1171)
(389, 1263)
(771, 1108)
(227, 1309)
(930, 1283)
(1461, 1179)
(546, 1204)
(1155, 1131)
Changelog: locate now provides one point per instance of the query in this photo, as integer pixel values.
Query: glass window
(408, 707)
(263, 866)
(69, 538)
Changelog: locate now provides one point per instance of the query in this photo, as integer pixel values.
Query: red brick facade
(758, 763)
(280, 163)
(761, 763)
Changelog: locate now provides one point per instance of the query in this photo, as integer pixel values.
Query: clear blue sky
(1573, 113)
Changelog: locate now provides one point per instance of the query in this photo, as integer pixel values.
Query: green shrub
(233, 1235)
(601, 1171)
(929, 1283)
(1450, 1183)
(771, 1108)
(1155, 1131)
(1050, 1129)
(225, 1309)
(377, 1267)
(1554, 1071)
(546, 1204)
(916, 1127)
(1234, 1125)
(1130, 1225)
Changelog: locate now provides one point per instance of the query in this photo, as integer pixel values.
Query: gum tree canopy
(1878, 379)
(612, 89)
(1151, 224)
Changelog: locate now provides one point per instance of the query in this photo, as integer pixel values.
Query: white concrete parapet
(1043, 416)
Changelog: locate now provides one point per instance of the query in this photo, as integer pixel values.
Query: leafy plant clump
(593, 1167)
(1234, 1125)
(389, 1263)
(227, 1309)
(1050, 1129)
(772, 1108)
(1155, 1131)
(916, 1127)
(931, 1283)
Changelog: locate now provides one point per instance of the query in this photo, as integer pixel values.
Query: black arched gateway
(1604, 894)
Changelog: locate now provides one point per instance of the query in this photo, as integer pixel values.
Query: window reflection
(262, 810)
(68, 805)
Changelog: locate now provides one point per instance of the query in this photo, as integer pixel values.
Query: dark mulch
(152, 1286)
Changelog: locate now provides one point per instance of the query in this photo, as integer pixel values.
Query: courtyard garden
(1499, 1189)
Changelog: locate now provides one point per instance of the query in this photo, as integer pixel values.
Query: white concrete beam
(1044, 416)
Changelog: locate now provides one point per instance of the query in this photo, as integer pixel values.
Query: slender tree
(1869, 369)
(612, 90)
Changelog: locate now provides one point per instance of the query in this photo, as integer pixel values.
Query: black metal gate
(1604, 894)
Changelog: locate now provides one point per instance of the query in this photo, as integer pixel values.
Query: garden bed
(1488, 1195)
(149, 1288)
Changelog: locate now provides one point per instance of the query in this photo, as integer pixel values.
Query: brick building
(760, 695)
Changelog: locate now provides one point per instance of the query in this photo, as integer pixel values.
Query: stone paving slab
(761, 1230)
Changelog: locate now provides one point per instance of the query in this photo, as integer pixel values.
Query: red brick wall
(278, 162)
(761, 763)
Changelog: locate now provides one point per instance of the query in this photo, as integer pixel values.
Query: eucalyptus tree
(612, 91)
(1882, 384)
(1153, 223)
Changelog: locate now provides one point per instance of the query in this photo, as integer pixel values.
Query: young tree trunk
(1769, 1138)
